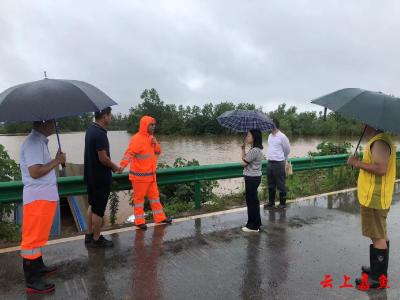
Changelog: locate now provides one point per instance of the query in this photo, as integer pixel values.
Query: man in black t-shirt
(97, 176)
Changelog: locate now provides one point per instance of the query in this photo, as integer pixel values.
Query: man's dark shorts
(98, 198)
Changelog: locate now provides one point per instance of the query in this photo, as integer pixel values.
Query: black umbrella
(51, 99)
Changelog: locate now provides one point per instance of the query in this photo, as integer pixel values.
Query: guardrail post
(197, 195)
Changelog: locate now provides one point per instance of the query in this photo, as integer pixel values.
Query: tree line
(197, 121)
(69, 124)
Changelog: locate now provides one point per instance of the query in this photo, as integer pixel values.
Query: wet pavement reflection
(210, 258)
(145, 283)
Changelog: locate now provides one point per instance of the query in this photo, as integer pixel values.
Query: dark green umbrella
(376, 109)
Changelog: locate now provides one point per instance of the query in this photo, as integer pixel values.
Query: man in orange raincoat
(142, 154)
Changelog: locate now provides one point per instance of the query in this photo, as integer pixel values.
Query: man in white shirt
(278, 152)
(40, 198)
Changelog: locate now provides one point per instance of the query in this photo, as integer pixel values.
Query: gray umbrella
(376, 109)
(50, 99)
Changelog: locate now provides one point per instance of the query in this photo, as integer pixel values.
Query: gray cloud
(192, 52)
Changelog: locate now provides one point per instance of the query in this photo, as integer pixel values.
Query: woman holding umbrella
(252, 162)
(253, 123)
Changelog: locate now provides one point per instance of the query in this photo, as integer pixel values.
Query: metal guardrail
(74, 185)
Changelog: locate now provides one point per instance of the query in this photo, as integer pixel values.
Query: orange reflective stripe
(31, 252)
(143, 156)
(31, 257)
(139, 219)
(159, 216)
(141, 174)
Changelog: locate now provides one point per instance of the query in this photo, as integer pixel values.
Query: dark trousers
(276, 180)
(253, 204)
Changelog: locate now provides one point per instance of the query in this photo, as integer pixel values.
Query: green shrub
(329, 148)
(9, 171)
(185, 192)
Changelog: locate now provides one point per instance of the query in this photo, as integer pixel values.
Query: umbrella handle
(358, 144)
(244, 139)
(58, 139)
(359, 141)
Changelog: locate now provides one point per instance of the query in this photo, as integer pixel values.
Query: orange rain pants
(150, 191)
(36, 225)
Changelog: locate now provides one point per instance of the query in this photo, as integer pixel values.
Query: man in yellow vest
(375, 189)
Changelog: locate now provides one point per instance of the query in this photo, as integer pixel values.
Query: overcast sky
(259, 51)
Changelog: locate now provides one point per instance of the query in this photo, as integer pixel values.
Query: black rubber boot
(45, 270)
(379, 265)
(33, 280)
(367, 269)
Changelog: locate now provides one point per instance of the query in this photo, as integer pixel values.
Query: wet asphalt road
(210, 258)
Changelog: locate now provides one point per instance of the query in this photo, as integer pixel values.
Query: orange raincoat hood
(144, 124)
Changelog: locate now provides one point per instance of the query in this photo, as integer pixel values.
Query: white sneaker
(245, 229)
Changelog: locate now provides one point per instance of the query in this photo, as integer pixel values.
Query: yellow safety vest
(376, 191)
